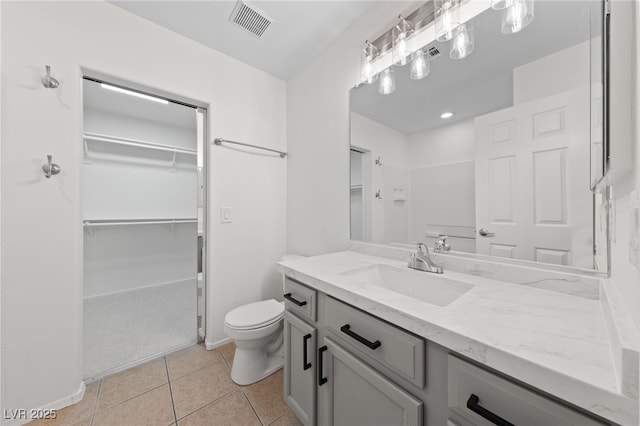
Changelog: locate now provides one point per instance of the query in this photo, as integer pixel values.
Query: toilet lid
(255, 315)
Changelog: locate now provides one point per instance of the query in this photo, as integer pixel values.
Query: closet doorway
(144, 199)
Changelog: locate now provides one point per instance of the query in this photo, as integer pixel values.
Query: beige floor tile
(152, 408)
(232, 409)
(288, 419)
(266, 397)
(77, 414)
(130, 383)
(189, 359)
(228, 351)
(199, 388)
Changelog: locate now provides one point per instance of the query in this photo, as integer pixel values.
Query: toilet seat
(255, 315)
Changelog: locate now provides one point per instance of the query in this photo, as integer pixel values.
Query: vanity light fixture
(446, 115)
(419, 65)
(462, 42)
(516, 16)
(132, 93)
(387, 83)
(369, 54)
(400, 52)
(447, 18)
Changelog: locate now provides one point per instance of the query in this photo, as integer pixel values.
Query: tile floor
(186, 388)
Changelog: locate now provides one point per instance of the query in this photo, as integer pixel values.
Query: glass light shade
(517, 16)
(447, 18)
(419, 65)
(462, 43)
(369, 54)
(400, 53)
(387, 83)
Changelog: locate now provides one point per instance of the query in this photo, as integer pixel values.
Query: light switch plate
(225, 214)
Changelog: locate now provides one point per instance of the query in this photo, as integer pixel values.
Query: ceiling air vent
(434, 52)
(252, 19)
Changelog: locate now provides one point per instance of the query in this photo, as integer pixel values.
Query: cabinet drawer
(400, 351)
(475, 395)
(300, 299)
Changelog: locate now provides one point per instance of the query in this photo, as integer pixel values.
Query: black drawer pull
(305, 363)
(297, 302)
(321, 380)
(346, 329)
(473, 405)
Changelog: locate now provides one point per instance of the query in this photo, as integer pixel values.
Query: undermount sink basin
(431, 288)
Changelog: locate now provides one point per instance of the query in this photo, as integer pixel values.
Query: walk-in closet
(143, 200)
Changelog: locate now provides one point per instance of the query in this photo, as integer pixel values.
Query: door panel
(299, 370)
(358, 395)
(532, 202)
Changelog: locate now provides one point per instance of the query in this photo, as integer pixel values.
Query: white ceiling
(300, 29)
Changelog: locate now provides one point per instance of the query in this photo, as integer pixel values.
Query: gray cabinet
(300, 368)
(478, 397)
(355, 394)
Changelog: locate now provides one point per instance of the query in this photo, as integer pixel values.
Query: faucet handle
(421, 248)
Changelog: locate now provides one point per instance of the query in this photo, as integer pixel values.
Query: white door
(532, 183)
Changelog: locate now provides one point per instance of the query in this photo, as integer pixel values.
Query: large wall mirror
(498, 151)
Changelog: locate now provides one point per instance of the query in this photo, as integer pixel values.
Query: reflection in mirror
(498, 151)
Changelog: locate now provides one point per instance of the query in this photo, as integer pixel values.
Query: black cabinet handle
(473, 405)
(305, 363)
(346, 329)
(321, 380)
(297, 302)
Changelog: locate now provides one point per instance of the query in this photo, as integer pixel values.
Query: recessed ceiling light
(132, 93)
(446, 115)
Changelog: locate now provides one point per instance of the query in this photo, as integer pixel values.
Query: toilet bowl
(257, 330)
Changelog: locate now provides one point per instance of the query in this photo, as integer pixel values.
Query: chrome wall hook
(50, 169)
(49, 82)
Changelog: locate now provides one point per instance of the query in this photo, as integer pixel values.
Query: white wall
(41, 219)
(385, 218)
(442, 176)
(556, 73)
(318, 135)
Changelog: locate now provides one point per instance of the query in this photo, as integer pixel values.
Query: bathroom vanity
(368, 341)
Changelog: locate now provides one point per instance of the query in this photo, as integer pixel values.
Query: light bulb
(447, 19)
(400, 52)
(419, 65)
(387, 83)
(462, 44)
(517, 16)
(367, 76)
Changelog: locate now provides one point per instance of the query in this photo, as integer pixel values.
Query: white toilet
(257, 330)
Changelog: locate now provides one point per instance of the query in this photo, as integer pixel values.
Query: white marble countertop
(553, 341)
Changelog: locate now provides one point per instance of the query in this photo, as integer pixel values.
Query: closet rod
(220, 141)
(137, 222)
(137, 143)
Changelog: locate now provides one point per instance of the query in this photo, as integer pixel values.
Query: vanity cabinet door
(355, 394)
(300, 368)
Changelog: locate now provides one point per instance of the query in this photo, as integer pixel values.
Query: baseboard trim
(56, 405)
(212, 345)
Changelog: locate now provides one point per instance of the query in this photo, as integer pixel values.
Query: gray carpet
(124, 328)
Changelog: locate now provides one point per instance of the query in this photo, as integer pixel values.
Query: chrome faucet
(421, 261)
(441, 245)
